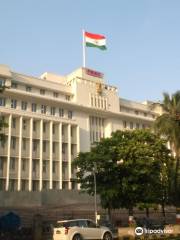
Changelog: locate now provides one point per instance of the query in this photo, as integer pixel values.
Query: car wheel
(76, 237)
(107, 236)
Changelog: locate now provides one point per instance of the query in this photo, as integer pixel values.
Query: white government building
(51, 118)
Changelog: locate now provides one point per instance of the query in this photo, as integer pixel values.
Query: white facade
(51, 118)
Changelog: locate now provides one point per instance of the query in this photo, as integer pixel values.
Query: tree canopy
(131, 168)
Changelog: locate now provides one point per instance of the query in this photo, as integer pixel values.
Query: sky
(143, 41)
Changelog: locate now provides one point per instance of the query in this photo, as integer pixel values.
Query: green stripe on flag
(94, 45)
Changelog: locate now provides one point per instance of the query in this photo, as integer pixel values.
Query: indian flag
(95, 40)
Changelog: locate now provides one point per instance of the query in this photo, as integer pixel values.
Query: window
(23, 185)
(137, 125)
(44, 146)
(24, 106)
(131, 125)
(34, 126)
(124, 124)
(63, 148)
(70, 114)
(13, 103)
(63, 130)
(24, 124)
(34, 165)
(72, 149)
(44, 166)
(33, 107)
(92, 101)
(102, 103)
(1, 163)
(11, 184)
(45, 185)
(54, 147)
(24, 144)
(3, 143)
(98, 102)
(136, 112)
(53, 128)
(43, 109)
(91, 224)
(53, 110)
(42, 91)
(54, 166)
(13, 122)
(145, 114)
(12, 164)
(82, 223)
(95, 101)
(23, 164)
(13, 85)
(34, 145)
(2, 82)
(67, 97)
(105, 104)
(28, 89)
(13, 142)
(2, 101)
(55, 94)
(61, 112)
(44, 127)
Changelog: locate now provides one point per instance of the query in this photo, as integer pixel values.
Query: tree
(141, 176)
(168, 126)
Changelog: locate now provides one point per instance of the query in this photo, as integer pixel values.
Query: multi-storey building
(51, 118)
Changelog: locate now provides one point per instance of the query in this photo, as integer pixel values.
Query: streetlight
(95, 192)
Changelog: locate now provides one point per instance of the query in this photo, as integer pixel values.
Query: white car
(80, 229)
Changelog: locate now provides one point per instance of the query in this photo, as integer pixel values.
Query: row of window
(98, 102)
(35, 165)
(35, 185)
(35, 145)
(132, 125)
(96, 121)
(34, 108)
(129, 110)
(36, 126)
(28, 88)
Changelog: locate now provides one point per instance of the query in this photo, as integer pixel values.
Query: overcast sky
(143, 41)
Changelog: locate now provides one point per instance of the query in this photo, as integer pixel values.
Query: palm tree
(168, 126)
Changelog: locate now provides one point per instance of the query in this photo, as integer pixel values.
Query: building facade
(51, 118)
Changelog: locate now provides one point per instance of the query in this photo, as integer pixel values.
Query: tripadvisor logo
(139, 231)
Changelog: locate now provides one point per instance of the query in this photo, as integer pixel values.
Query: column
(50, 154)
(30, 154)
(19, 153)
(40, 154)
(60, 155)
(8, 151)
(69, 157)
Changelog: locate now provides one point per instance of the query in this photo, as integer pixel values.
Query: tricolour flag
(95, 40)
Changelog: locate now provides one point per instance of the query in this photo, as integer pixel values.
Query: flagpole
(84, 49)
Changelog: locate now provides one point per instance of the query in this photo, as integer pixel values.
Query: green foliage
(168, 126)
(131, 168)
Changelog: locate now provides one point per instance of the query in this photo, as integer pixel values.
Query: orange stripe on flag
(94, 36)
